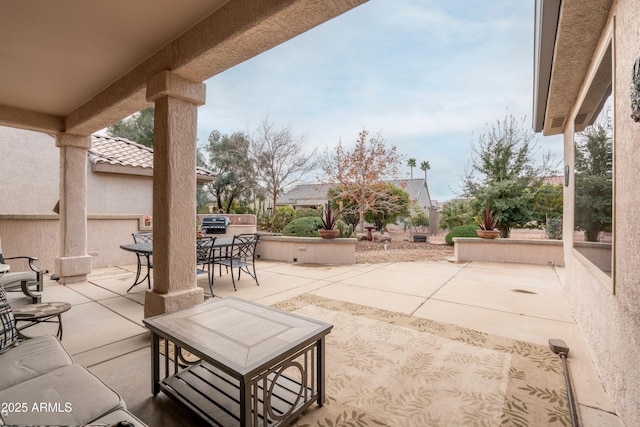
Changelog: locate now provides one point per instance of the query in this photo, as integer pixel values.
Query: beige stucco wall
(608, 310)
(311, 250)
(109, 193)
(29, 165)
(37, 235)
(544, 252)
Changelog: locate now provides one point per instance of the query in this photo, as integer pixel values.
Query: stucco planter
(307, 250)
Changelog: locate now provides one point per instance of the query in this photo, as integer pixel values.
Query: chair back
(244, 246)
(204, 250)
(1, 257)
(142, 237)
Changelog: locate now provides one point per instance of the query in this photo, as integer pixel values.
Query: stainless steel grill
(214, 225)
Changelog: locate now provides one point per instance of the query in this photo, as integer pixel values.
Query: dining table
(146, 250)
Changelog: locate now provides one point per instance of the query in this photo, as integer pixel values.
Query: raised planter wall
(545, 252)
(308, 250)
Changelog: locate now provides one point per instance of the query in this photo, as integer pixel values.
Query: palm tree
(412, 164)
(425, 166)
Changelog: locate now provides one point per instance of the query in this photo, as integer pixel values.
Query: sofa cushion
(31, 359)
(70, 395)
(8, 332)
(116, 417)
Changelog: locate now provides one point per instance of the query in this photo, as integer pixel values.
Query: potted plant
(488, 225)
(419, 223)
(328, 230)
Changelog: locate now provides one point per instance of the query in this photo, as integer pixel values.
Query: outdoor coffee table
(44, 312)
(257, 365)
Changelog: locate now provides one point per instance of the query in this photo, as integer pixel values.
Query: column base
(155, 303)
(73, 269)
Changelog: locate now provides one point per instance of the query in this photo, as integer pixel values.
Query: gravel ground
(400, 249)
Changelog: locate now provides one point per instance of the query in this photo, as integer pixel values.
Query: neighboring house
(588, 56)
(119, 195)
(314, 195)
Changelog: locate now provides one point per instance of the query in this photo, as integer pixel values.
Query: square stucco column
(174, 188)
(73, 263)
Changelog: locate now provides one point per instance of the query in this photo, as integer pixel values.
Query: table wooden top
(241, 335)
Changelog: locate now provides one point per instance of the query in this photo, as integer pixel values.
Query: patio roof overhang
(567, 33)
(75, 66)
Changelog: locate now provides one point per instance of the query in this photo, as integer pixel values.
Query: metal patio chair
(204, 258)
(242, 256)
(23, 280)
(144, 259)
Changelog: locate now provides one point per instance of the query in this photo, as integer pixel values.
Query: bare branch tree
(355, 172)
(280, 158)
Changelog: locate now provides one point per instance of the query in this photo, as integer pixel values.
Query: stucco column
(174, 188)
(73, 263)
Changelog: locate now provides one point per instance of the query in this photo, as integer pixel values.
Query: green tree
(593, 181)
(202, 199)
(504, 173)
(425, 166)
(456, 213)
(412, 164)
(137, 127)
(347, 208)
(234, 170)
(356, 171)
(547, 203)
(390, 203)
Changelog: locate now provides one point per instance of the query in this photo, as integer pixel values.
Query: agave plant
(488, 221)
(328, 218)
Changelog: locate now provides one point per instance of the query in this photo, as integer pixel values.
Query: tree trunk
(361, 221)
(591, 234)
(275, 197)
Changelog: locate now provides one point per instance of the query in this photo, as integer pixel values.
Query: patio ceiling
(567, 33)
(79, 66)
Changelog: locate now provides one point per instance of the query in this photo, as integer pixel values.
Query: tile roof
(312, 192)
(108, 150)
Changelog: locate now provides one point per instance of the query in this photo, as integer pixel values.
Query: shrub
(308, 212)
(243, 210)
(457, 212)
(461, 231)
(275, 223)
(303, 227)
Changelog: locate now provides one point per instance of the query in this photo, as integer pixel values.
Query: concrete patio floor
(104, 329)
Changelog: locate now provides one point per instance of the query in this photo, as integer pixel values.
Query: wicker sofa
(40, 384)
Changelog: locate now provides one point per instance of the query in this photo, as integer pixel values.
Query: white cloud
(429, 74)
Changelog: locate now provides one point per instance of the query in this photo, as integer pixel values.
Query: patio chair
(204, 258)
(241, 256)
(144, 259)
(22, 280)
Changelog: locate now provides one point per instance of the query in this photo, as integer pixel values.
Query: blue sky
(430, 75)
